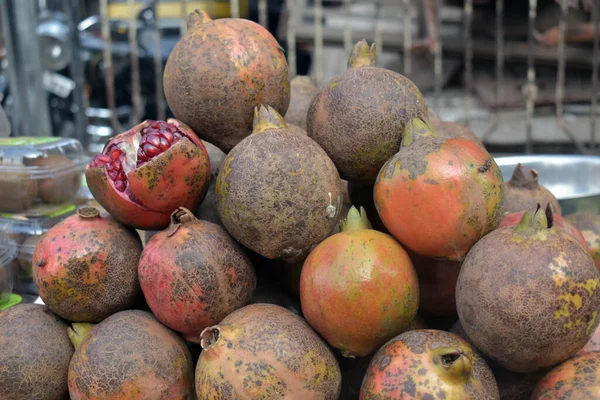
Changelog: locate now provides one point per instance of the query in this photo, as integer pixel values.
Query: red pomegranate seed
(121, 186)
(157, 138)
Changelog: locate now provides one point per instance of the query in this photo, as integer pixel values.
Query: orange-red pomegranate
(219, 72)
(439, 196)
(428, 364)
(358, 288)
(513, 218)
(577, 378)
(194, 274)
(144, 174)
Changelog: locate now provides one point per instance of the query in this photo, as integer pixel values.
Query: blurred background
(522, 74)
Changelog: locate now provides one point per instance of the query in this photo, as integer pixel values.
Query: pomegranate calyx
(524, 177)
(363, 55)
(416, 129)
(266, 118)
(453, 365)
(197, 18)
(536, 220)
(355, 220)
(88, 212)
(78, 331)
(179, 217)
(209, 337)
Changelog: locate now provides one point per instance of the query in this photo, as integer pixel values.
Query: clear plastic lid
(8, 252)
(34, 221)
(41, 157)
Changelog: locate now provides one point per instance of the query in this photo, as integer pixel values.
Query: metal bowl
(573, 179)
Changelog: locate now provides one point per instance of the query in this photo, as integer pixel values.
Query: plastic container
(25, 229)
(39, 170)
(8, 253)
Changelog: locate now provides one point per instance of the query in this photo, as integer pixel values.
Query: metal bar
(136, 90)
(348, 27)
(407, 29)
(560, 79)
(291, 37)
(77, 74)
(263, 13)
(595, 63)
(109, 73)
(437, 63)
(235, 8)
(184, 17)
(19, 125)
(530, 90)
(468, 60)
(161, 111)
(377, 27)
(499, 69)
(319, 41)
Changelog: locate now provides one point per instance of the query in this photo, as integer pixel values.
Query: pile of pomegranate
(245, 271)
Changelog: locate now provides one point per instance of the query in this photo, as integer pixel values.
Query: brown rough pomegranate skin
(577, 378)
(219, 72)
(303, 91)
(530, 275)
(263, 351)
(523, 191)
(145, 173)
(34, 354)
(85, 267)
(589, 226)
(428, 364)
(278, 193)
(130, 355)
(193, 274)
(359, 116)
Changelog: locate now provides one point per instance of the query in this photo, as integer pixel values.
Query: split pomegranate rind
(146, 173)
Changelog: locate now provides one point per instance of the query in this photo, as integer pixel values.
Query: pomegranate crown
(455, 363)
(197, 18)
(538, 219)
(266, 118)
(415, 129)
(78, 331)
(355, 220)
(362, 55)
(524, 177)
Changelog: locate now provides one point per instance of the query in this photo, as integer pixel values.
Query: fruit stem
(452, 363)
(417, 128)
(363, 55)
(209, 337)
(524, 177)
(266, 118)
(88, 212)
(197, 18)
(78, 331)
(355, 220)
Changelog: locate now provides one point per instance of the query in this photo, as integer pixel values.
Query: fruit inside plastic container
(35, 170)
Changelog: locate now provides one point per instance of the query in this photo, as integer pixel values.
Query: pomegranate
(437, 285)
(512, 219)
(359, 117)
(593, 344)
(130, 355)
(358, 288)
(144, 174)
(85, 267)
(263, 351)
(428, 364)
(278, 193)
(447, 129)
(523, 191)
(438, 196)
(589, 225)
(193, 274)
(577, 378)
(524, 276)
(219, 72)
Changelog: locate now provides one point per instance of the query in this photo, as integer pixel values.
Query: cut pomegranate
(145, 199)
